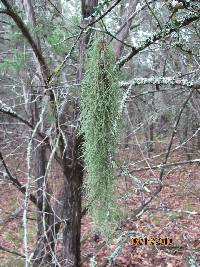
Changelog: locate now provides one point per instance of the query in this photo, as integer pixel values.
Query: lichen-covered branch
(167, 30)
(171, 81)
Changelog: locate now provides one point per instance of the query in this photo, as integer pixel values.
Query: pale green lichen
(100, 106)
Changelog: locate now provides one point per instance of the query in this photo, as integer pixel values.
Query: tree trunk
(42, 252)
(47, 227)
(123, 33)
(73, 172)
(72, 205)
(151, 137)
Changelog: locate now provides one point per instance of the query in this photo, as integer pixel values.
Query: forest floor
(174, 213)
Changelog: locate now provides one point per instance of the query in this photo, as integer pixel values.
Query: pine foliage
(100, 102)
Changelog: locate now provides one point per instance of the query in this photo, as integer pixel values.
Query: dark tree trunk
(151, 137)
(87, 8)
(73, 169)
(72, 206)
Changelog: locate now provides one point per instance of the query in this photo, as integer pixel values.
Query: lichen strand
(100, 103)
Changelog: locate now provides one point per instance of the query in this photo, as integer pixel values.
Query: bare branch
(9, 111)
(3, 11)
(142, 208)
(11, 252)
(103, 15)
(166, 165)
(123, 34)
(132, 16)
(13, 216)
(19, 22)
(15, 181)
(174, 134)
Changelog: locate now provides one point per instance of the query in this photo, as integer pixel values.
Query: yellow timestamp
(149, 241)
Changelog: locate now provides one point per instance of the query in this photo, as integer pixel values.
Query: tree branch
(165, 165)
(9, 111)
(174, 134)
(14, 215)
(3, 11)
(144, 205)
(131, 17)
(172, 81)
(19, 22)
(15, 182)
(167, 30)
(11, 252)
(103, 15)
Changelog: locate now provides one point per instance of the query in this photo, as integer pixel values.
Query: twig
(140, 210)
(114, 37)
(167, 30)
(19, 22)
(166, 165)
(153, 13)
(12, 252)
(14, 215)
(9, 111)
(103, 15)
(174, 133)
(15, 182)
(132, 16)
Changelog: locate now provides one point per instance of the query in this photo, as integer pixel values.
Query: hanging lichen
(100, 104)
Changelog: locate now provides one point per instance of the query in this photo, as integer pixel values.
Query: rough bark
(87, 8)
(74, 171)
(72, 205)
